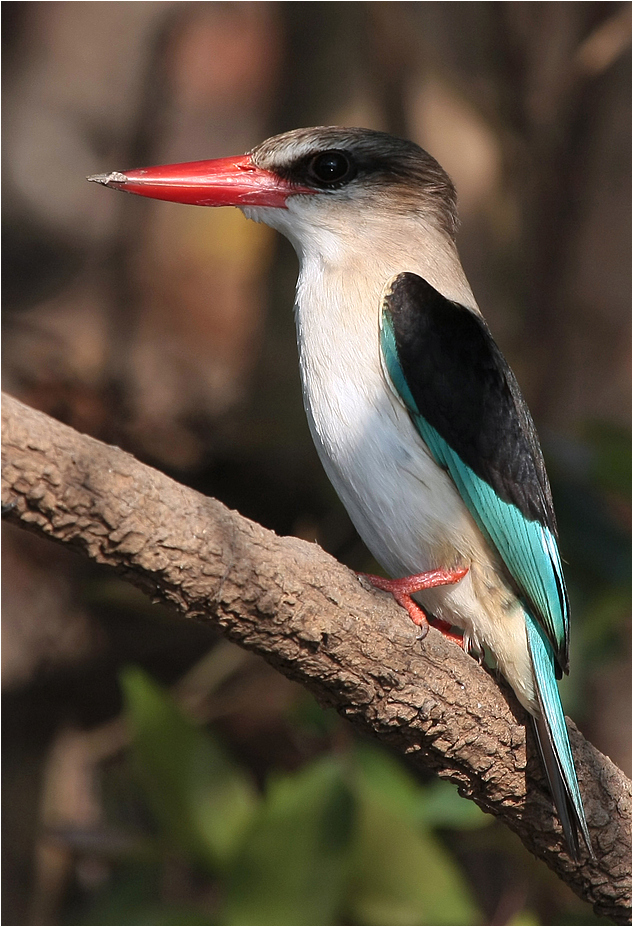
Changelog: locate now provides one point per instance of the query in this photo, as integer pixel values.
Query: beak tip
(106, 180)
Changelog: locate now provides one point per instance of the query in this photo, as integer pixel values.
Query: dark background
(168, 331)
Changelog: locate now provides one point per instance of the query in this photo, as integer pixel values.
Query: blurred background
(153, 773)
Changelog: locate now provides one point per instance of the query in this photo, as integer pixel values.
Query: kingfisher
(416, 416)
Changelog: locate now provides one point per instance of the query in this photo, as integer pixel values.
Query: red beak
(223, 182)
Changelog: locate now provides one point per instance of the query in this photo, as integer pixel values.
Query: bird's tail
(553, 741)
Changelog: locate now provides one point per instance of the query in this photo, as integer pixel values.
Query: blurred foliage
(350, 837)
(201, 802)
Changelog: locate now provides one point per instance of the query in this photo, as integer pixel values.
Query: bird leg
(403, 589)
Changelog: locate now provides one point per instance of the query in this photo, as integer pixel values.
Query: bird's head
(327, 178)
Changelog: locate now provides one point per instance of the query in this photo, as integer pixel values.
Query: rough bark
(354, 648)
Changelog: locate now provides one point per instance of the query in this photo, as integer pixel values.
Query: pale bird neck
(358, 261)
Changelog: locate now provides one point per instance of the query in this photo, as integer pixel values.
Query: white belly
(403, 505)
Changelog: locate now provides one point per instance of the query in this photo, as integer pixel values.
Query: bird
(415, 414)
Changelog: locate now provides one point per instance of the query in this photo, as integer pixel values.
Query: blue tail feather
(553, 740)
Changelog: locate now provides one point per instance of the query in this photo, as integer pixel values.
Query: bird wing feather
(467, 407)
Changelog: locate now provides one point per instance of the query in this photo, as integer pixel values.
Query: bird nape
(415, 414)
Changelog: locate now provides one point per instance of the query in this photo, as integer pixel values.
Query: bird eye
(331, 167)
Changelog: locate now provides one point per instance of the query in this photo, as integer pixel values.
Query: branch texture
(354, 648)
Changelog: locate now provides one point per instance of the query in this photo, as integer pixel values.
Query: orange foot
(403, 589)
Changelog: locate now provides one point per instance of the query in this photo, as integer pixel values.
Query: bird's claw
(473, 649)
(403, 589)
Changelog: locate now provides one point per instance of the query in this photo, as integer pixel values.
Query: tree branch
(311, 618)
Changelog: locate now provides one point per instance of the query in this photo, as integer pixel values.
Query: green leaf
(294, 863)
(437, 804)
(202, 801)
(402, 874)
(444, 807)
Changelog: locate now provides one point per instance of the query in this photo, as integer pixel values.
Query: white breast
(400, 501)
